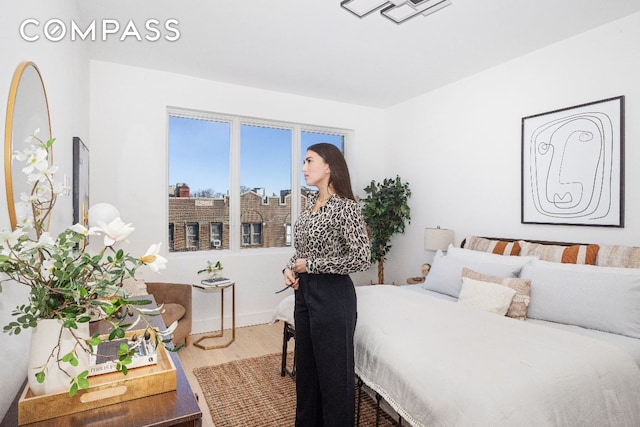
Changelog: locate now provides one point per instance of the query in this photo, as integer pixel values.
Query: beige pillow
(522, 287)
(618, 256)
(486, 296)
(574, 254)
(500, 247)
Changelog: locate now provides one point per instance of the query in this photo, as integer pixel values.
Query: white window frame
(235, 122)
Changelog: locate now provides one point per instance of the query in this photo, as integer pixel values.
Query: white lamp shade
(102, 212)
(435, 238)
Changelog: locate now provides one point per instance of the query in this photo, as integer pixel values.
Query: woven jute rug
(251, 392)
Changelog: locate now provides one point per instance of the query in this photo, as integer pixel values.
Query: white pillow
(486, 296)
(445, 275)
(470, 254)
(601, 298)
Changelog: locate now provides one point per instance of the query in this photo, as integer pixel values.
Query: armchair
(176, 298)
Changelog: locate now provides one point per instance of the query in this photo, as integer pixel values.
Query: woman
(330, 242)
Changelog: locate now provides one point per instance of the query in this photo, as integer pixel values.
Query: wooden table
(174, 408)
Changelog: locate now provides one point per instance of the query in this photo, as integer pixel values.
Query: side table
(208, 285)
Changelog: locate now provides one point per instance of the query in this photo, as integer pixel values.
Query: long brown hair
(339, 178)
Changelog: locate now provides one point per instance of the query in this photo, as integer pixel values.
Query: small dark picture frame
(80, 182)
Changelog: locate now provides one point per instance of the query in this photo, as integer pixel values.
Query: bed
(439, 360)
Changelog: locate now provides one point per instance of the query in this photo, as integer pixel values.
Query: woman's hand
(291, 279)
(300, 266)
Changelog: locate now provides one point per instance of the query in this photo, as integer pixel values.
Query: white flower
(81, 229)
(44, 240)
(30, 138)
(28, 199)
(115, 231)
(23, 155)
(24, 222)
(60, 188)
(152, 260)
(47, 268)
(37, 161)
(10, 238)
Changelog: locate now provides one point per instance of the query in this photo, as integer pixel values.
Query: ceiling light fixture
(398, 11)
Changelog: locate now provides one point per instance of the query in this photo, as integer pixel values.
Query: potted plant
(67, 283)
(212, 269)
(386, 212)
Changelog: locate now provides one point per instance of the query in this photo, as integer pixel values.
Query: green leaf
(94, 340)
(123, 349)
(73, 390)
(40, 377)
(70, 324)
(83, 383)
(139, 302)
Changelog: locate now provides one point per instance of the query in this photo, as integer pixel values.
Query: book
(218, 281)
(106, 355)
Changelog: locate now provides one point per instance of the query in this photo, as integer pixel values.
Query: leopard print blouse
(333, 239)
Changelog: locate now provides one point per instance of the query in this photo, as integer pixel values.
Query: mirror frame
(8, 133)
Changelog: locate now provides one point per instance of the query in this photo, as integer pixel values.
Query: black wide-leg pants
(325, 321)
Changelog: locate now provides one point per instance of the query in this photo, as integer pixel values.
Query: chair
(176, 298)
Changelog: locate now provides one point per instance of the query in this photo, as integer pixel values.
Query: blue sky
(199, 154)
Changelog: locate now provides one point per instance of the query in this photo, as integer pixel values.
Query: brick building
(202, 223)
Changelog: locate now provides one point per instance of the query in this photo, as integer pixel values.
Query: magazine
(218, 281)
(106, 356)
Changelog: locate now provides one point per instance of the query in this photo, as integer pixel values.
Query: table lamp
(437, 239)
(104, 212)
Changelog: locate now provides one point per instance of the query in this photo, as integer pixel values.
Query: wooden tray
(105, 389)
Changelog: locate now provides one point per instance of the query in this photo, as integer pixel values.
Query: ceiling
(315, 48)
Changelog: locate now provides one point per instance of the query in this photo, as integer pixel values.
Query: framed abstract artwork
(80, 182)
(573, 165)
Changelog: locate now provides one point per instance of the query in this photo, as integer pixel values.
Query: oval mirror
(27, 111)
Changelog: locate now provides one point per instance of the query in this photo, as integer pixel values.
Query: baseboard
(213, 323)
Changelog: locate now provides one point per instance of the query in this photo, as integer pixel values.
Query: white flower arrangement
(66, 282)
(212, 269)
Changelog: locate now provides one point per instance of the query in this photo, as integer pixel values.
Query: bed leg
(378, 398)
(360, 383)
(285, 341)
(287, 333)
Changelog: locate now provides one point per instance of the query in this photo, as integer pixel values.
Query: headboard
(541, 242)
(565, 252)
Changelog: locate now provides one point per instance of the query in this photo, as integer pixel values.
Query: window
(251, 234)
(308, 138)
(288, 239)
(193, 234)
(216, 235)
(231, 179)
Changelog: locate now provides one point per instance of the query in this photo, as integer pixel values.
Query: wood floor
(251, 341)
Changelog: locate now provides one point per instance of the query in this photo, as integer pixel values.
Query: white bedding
(438, 363)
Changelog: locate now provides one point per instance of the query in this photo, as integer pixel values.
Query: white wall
(459, 146)
(65, 71)
(128, 159)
